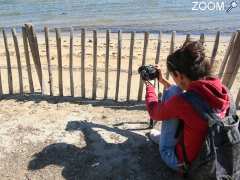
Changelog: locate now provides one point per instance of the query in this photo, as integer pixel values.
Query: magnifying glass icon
(233, 5)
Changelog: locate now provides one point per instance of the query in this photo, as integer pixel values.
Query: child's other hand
(147, 83)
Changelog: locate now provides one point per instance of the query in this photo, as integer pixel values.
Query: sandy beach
(70, 138)
(137, 61)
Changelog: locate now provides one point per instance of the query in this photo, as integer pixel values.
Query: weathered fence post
(202, 38)
(119, 57)
(59, 52)
(171, 48)
(94, 90)
(48, 60)
(107, 63)
(215, 48)
(233, 63)
(157, 59)
(238, 99)
(27, 57)
(10, 82)
(231, 60)
(83, 62)
(226, 57)
(130, 65)
(235, 71)
(1, 90)
(15, 40)
(38, 61)
(140, 90)
(32, 38)
(188, 37)
(71, 63)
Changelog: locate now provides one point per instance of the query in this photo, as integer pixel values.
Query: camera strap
(158, 91)
(152, 123)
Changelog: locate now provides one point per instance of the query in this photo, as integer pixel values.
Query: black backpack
(219, 157)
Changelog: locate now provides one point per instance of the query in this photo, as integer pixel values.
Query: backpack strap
(214, 122)
(202, 107)
(232, 108)
(206, 112)
(186, 163)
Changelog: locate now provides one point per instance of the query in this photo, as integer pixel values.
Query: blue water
(140, 15)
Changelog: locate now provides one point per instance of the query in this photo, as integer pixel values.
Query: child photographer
(190, 70)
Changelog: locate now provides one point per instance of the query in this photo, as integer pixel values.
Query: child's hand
(160, 77)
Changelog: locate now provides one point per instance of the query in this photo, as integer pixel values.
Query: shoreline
(40, 29)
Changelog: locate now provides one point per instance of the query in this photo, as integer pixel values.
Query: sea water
(205, 16)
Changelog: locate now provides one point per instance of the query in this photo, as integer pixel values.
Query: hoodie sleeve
(160, 111)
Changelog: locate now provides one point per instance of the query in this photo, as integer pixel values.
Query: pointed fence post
(171, 48)
(19, 65)
(107, 64)
(215, 48)
(33, 43)
(71, 63)
(27, 57)
(83, 62)
(130, 65)
(226, 56)
(9, 68)
(59, 52)
(140, 90)
(48, 61)
(94, 90)
(233, 63)
(119, 58)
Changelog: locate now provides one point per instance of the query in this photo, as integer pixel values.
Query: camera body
(148, 72)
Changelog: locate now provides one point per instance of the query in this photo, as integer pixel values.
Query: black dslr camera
(148, 72)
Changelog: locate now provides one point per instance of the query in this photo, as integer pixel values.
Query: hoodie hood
(213, 91)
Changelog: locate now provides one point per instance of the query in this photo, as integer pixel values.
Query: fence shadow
(135, 158)
(107, 103)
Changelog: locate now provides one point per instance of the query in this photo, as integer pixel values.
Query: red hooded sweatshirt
(195, 128)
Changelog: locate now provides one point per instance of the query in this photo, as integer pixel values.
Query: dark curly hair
(189, 60)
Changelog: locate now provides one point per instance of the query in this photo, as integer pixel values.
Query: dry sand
(71, 138)
(137, 61)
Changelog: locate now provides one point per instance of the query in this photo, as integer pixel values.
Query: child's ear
(179, 75)
(175, 74)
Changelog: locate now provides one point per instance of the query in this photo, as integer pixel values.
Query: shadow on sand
(136, 158)
(107, 103)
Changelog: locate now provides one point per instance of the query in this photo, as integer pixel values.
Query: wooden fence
(228, 70)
